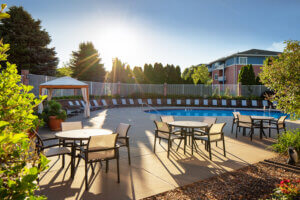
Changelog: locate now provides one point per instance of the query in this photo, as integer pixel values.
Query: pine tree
(247, 75)
(86, 63)
(28, 49)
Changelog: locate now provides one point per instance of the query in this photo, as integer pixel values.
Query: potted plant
(53, 114)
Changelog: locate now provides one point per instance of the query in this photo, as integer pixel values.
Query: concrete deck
(149, 173)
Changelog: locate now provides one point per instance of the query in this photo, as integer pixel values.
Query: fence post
(25, 78)
(119, 88)
(165, 89)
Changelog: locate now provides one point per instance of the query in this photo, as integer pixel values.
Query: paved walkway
(149, 173)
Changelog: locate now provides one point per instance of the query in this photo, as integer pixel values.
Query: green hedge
(291, 138)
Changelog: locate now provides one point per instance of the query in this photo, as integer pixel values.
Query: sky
(184, 33)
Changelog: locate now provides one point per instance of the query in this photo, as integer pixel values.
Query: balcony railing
(221, 78)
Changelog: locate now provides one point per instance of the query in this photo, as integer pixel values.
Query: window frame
(246, 59)
(216, 76)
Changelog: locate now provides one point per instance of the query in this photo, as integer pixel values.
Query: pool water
(214, 112)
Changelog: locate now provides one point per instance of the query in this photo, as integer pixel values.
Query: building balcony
(221, 78)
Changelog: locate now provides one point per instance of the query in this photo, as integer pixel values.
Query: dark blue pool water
(214, 112)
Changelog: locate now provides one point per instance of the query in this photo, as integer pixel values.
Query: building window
(216, 76)
(243, 60)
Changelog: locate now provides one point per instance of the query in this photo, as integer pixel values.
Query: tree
(201, 74)
(187, 75)
(118, 72)
(159, 76)
(64, 71)
(138, 75)
(247, 75)
(28, 43)
(86, 63)
(20, 165)
(148, 73)
(282, 75)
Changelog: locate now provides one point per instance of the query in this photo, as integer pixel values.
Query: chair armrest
(48, 139)
(97, 150)
(49, 146)
(162, 131)
(126, 137)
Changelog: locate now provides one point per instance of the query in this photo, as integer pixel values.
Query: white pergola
(66, 83)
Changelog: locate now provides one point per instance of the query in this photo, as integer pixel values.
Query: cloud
(277, 46)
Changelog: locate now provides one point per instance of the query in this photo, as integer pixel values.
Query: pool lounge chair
(215, 102)
(96, 105)
(265, 103)
(244, 103)
(114, 102)
(71, 108)
(169, 102)
(178, 102)
(91, 107)
(123, 101)
(131, 102)
(196, 102)
(158, 102)
(103, 101)
(140, 102)
(254, 103)
(149, 101)
(224, 102)
(233, 103)
(187, 102)
(205, 102)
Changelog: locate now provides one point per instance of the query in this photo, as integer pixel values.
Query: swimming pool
(214, 112)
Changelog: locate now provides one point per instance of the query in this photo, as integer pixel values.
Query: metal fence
(124, 90)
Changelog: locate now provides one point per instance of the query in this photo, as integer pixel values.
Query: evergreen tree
(148, 73)
(28, 43)
(119, 72)
(247, 75)
(86, 63)
(138, 75)
(159, 76)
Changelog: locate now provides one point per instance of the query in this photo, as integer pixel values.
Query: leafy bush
(287, 189)
(291, 138)
(53, 108)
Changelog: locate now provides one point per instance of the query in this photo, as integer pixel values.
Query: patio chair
(265, 103)
(244, 103)
(164, 132)
(188, 102)
(149, 101)
(215, 102)
(51, 150)
(254, 103)
(178, 102)
(224, 102)
(235, 119)
(100, 148)
(96, 105)
(277, 124)
(210, 121)
(123, 138)
(103, 101)
(205, 102)
(140, 102)
(196, 102)
(233, 102)
(169, 102)
(158, 102)
(131, 102)
(68, 126)
(123, 101)
(115, 102)
(168, 119)
(214, 134)
(245, 121)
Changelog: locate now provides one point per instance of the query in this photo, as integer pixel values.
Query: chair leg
(216, 144)
(128, 149)
(93, 171)
(86, 177)
(209, 148)
(118, 170)
(179, 145)
(154, 144)
(168, 148)
(106, 166)
(232, 126)
(159, 140)
(269, 132)
(224, 151)
(236, 131)
(63, 161)
(251, 133)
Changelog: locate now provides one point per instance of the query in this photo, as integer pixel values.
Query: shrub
(53, 108)
(287, 189)
(291, 138)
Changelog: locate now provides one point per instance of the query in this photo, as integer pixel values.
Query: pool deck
(150, 173)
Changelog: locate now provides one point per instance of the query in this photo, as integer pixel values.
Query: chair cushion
(100, 155)
(55, 151)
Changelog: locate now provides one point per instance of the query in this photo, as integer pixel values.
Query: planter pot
(54, 123)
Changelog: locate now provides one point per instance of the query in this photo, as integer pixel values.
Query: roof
(250, 52)
(64, 81)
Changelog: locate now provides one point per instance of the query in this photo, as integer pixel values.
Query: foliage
(291, 138)
(138, 75)
(287, 189)
(20, 166)
(28, 43)
(53, 108)
(201, 74)
(282, 75)
(119, 72)
(187, 75)
(247, 76)
(86, 63)
(64, 71)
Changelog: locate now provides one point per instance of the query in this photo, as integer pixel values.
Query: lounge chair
(265, 103)
(214, 134)
(78, 104)
(72, 109)
(215, 102)
(169, 102)
(91, 107)
(205, 102)
(123, 102)
(131, 102)
(254, 103)
(187, 102)
(224, 102)
(196, 102)
(149, 101)
(115, 103)
(178, 102)
(140, 102)
(233, 103)
(244, 103)
(96, 105)
(158, 102)
(103, 101)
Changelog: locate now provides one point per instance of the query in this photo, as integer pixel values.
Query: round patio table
(261, 120)
(191, 125)
(80, 134)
